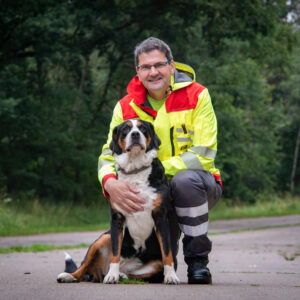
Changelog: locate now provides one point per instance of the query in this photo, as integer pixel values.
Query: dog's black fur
(160, 246)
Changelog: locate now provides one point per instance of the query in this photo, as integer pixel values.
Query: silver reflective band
(184, 140)
(192, 212)
(180, 130)
(191, 161)
(204, 151)
(107, 152)
(102, 163)
(194, 230)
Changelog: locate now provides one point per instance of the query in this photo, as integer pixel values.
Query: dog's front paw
(113, 274)
(170, 276)
(65, 278)
(111, 278)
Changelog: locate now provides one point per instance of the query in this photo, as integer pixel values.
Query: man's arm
(201, 154)
(121, 193)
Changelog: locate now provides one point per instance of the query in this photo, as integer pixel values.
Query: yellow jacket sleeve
(201, 154)
(106, 162)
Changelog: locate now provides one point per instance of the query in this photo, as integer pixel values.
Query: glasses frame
(149, 67)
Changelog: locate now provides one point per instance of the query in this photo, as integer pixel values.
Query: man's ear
(137, 72)
(172, 65)
(114, 145)
(155, 141)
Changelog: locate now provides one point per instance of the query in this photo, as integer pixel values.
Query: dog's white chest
(140, 224)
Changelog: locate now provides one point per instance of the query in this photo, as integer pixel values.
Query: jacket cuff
(106, 195)
(218, 179)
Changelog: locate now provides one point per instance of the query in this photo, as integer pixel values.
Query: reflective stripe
(184, 139)
(107, 152)
(102, 163)
(191, 161)
(192, 212)
(180, 130)
(194, 230)
(204, 151)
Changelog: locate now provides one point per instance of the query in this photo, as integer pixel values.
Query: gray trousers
(194, 193)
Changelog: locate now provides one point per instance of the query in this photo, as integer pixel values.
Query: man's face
(155, 79)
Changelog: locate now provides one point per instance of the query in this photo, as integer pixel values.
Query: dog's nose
(135, 135)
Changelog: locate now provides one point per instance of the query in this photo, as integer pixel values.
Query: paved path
(253, 264)
(75, 238)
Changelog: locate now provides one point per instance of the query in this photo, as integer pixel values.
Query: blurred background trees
(64, 65)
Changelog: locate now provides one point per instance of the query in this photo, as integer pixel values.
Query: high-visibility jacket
(185, 123)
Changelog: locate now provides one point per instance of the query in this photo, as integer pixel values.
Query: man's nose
(153, 70)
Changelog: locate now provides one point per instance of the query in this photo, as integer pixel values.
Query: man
(165, 93)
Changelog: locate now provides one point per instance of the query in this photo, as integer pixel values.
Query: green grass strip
(39, 248)
(132, 281)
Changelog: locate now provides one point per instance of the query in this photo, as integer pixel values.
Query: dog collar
(133, 171)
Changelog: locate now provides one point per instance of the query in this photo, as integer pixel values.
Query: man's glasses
(158, 66)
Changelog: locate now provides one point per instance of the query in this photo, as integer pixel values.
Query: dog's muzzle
(135, 141)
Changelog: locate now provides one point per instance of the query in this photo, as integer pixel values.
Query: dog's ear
(155, 141)
(114, 145)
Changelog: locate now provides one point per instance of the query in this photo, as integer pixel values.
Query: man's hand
(124, 195)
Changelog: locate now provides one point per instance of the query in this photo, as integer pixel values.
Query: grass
(132, 281)
(274, 206)
(33, 217)
(39, 248)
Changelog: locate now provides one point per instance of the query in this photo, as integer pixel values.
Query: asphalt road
(260, 262)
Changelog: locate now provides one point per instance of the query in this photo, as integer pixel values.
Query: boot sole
(200, 280)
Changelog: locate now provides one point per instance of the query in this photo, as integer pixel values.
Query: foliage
(64, 64)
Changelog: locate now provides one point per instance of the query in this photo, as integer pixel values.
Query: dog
(138, 245)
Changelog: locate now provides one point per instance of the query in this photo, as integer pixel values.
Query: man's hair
(151, 44)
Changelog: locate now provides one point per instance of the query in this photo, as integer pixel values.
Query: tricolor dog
(138, 245)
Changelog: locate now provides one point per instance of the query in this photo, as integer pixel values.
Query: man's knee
(193, 187)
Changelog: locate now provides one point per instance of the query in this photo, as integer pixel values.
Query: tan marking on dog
(166, 257)
(116, 258)
(156, 266)
(92, 254)
(148, 142)
(157, 202)
(122, 145)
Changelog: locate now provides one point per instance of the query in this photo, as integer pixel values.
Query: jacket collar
(184, 75)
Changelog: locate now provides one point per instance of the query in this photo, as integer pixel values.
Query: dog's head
(134, 135)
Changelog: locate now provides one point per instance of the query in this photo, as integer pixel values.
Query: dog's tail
(70, 265)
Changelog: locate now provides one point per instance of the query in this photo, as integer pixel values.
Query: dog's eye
(125, 131)
(143, 129)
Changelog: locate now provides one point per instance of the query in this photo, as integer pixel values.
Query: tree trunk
(79, 99)
(295, 162)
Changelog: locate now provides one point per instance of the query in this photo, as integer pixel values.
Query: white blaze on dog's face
(134, 137)
(135, 141)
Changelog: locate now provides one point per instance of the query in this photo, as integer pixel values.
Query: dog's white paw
(113, 274)
(170, 275)
(111, 278)
(65, 278)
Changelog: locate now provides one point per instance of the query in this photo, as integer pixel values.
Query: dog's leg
(117, 223)
(147, 270)
(163, 235)
(96, 249)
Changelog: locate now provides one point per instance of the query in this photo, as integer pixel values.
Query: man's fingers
(133, 189)
(131, 207)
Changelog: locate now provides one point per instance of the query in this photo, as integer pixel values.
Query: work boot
(198, 273)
